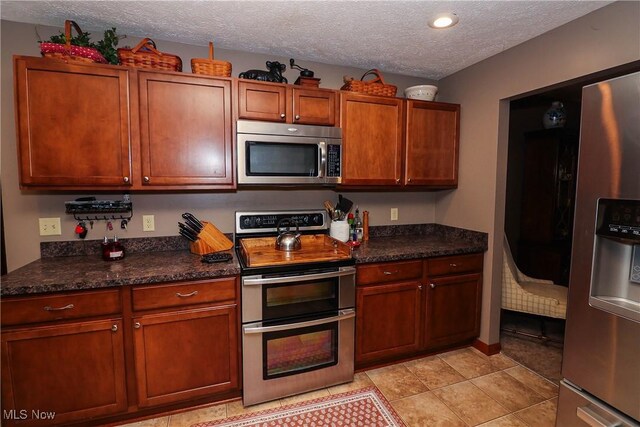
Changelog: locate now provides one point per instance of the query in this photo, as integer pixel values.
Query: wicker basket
(145, 55)
(376, 86)
(210, 66)
(71, 53)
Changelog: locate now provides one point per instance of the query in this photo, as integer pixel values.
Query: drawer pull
(432, 285)
(419, 287)
(114, 328)
(455, 265)
(66, 307)
(387, 273)
(192, 294)
(136, 325)
(282, 115)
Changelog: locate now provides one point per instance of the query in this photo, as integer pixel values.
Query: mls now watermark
(24, 414)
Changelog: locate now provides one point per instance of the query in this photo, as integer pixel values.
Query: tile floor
(459, 388)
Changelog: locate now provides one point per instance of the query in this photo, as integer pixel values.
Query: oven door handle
(259, 280)
(343, 315)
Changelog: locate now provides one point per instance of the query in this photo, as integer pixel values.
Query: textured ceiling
(390, 35)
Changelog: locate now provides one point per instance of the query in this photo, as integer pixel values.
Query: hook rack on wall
(90, 209)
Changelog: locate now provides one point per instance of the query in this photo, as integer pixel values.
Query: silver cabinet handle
(420, 287)
(125, 178)
(297, 117)
(397, 180)
(114, 328)
(455, 265)
(408, 179)
(432, 285)
(259, 280)
(66, 307)
(136, 325)
(146, 179)
(590, 417)
(256, 328)
(387, 273)
(192, 294)
(282, 115)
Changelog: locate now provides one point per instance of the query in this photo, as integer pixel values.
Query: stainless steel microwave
(280, 153)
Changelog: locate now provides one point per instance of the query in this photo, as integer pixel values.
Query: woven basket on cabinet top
(71, 53)
(210, 66)
(145, 55)
(376, 86)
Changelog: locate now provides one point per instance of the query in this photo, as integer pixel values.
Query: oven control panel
(254, 222)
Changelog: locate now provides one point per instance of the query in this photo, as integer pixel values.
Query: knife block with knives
(205, 238)
(210, 239)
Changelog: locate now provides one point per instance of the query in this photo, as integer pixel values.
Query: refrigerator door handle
(593, 419)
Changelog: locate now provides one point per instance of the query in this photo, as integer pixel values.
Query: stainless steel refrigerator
(601, 361)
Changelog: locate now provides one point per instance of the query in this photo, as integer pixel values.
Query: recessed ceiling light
(443, 20)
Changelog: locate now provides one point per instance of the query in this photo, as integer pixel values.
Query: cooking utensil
(288, 240)
(344, 204)
(187, 236)
(195, 221)
(188, 230)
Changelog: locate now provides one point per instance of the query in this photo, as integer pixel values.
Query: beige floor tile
(539, 384)
(540, 415)
(470, 403)
(506, 421)
(235, 408)
(500, 361)
(323, 392)
(198, 416)
(469, 362)
(426, 410)
(507, 391)
(433, 372)
(360, 380)
(153, 422)
(396, 382)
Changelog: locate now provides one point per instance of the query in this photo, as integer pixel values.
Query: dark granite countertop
(68, 266)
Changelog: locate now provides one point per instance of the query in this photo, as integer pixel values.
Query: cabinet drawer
(182, 294)
(389, 272)
(36, 309)
(455, 264)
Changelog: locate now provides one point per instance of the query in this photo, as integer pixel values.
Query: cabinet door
(261, 101)
(75, 370)
(432, 143)
(372, 139)
(387, 321)
(314, 107)
(452, 310)
(207, 360)
(72, 124)
(185, 130)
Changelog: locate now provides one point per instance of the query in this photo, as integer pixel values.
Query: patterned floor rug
(364, 407)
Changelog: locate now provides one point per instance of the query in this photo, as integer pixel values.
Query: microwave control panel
(619, 218)
(333, 160)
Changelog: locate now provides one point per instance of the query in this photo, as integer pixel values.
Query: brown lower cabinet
(93, 355)
(409, 307)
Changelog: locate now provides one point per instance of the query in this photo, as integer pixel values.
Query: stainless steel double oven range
(298, 312)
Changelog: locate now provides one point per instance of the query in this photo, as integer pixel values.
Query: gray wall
(23, 208)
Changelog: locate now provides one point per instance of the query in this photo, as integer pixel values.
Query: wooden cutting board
(262, 252)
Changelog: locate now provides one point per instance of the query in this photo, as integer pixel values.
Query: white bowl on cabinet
(421, 92)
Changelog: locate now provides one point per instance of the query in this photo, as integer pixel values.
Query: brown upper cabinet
(391, 141)
(276, 102)
(73, 124)
(185, 131)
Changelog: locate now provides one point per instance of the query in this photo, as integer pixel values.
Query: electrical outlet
(148, 223)
(394, 214)
(50, 226)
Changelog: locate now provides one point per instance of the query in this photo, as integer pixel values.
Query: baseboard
(488, 349)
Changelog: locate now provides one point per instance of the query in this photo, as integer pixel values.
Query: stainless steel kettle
(287, 240)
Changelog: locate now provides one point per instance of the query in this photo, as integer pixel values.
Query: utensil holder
(210, 239)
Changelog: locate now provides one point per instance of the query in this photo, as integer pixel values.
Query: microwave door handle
(343, 315)
(322, 147)
(345, 271)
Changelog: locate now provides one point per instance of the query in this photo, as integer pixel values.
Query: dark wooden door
(314, 107)
(387, 321)
(185, 131)
(73, 124)
(75, 370)
(431, 155)
(453, 306)
(262, 101)
(185, 354)
(372, 134)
